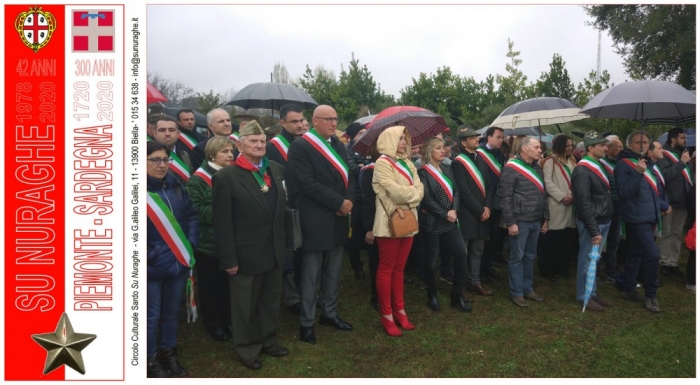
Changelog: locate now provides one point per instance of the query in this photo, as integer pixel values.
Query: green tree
(207, 102)
(656, 41)
(557, 82)
(444, 93)
(591, 86)
(319, 83)
(512, 87)
(356, 90)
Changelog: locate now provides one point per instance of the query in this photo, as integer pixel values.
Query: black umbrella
(271, 96)
(642, 101)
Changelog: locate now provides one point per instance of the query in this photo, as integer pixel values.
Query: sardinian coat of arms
(35, 27)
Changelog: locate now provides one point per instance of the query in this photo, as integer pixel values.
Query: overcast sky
(230, 46)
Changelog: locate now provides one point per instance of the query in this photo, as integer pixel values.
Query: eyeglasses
(330, 120)
(158, 161)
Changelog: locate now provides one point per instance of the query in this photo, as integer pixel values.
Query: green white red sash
(592, 165)
(168, 227)
(564, 170)
(659, 175)
(402, 169)
(490, 161)
(647, 174)
(473, 171)
(368, 167)
(687, 173)
(234, 136)
(322, 146)
(179, 167)
(608, 166)
(282, 145)
(527, 171)
(442, 180)
(187, 141)
(204, 174)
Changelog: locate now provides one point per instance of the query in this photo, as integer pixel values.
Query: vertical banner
(64, 192)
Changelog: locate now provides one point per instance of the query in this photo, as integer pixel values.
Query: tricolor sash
(168, 227)
(179, 167)
(687, 173)
(204, 174)
(592, 165)
(659, 175)
(527, 171)
(490, 161)
(282, 145)
(473, 171)
(368, 167)
(234, 136)
(442, 180)
(647, 174)
(187, 141)
(402, 169)
(608, 166)
(564, 170)
(322, 146)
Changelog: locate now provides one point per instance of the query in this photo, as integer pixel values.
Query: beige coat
(561, 216)
(391, 187)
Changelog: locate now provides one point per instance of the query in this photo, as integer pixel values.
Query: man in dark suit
(249, 210)
(219, 122)
(167, 131)
(317, 162)
(189, 137)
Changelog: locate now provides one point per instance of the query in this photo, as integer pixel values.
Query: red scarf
(243, 163)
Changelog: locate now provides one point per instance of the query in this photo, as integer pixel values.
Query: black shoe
(666, 270)
(219, 335)
(676, 270)
(276, 351)
(155, 369)
(375, 303)
(484, 279)
(433, 303)
(359, 274)
(492, 273)
(253, 363)
(306, 334)
(336, 322)
(459, 304)
(295, 308)
(168, 358)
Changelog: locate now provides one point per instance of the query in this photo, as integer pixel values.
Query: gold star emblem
(63, 346)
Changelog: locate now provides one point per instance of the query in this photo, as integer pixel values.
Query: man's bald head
(325, 120)
(323, 110)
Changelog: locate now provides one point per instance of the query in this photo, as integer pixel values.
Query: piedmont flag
(93, 30)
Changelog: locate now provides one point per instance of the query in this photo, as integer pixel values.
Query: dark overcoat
(472, 202)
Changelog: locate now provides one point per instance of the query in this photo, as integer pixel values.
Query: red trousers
(393, 253)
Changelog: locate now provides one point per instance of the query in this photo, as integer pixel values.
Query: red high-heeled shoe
(390, 327)
(403, 322)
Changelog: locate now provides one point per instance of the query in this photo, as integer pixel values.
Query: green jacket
(200, 193)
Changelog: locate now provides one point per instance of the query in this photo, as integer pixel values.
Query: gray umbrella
(646, 99)
(365, 119)
(540, 111)
(271, 96)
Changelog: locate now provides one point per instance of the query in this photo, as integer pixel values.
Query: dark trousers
(643, 254)
(453, 243)
(373, 262)
(214, 304)
(557, 248)
(611, 245)
(255, 305)
(416, 258)
(690, 270)
(357, 240)
(493, 246)
(445, 259)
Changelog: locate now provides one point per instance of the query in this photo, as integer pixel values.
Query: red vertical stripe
(34, 199)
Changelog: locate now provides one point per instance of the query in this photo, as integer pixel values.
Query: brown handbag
(401, 222)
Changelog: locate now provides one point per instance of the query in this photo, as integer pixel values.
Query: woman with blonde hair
(397, 185)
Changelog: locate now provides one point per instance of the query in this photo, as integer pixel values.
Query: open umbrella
(366, 119)
(421, 124)
(640, 100)
(153, 95)
(538, 112)
(271, 96)
(594, 256)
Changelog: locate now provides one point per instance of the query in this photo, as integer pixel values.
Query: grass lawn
(498, 339)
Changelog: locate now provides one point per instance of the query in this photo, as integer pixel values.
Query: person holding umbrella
(676, 171)
(594, 209)
(640, 209)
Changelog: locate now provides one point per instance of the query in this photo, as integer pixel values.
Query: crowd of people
(222, 207)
